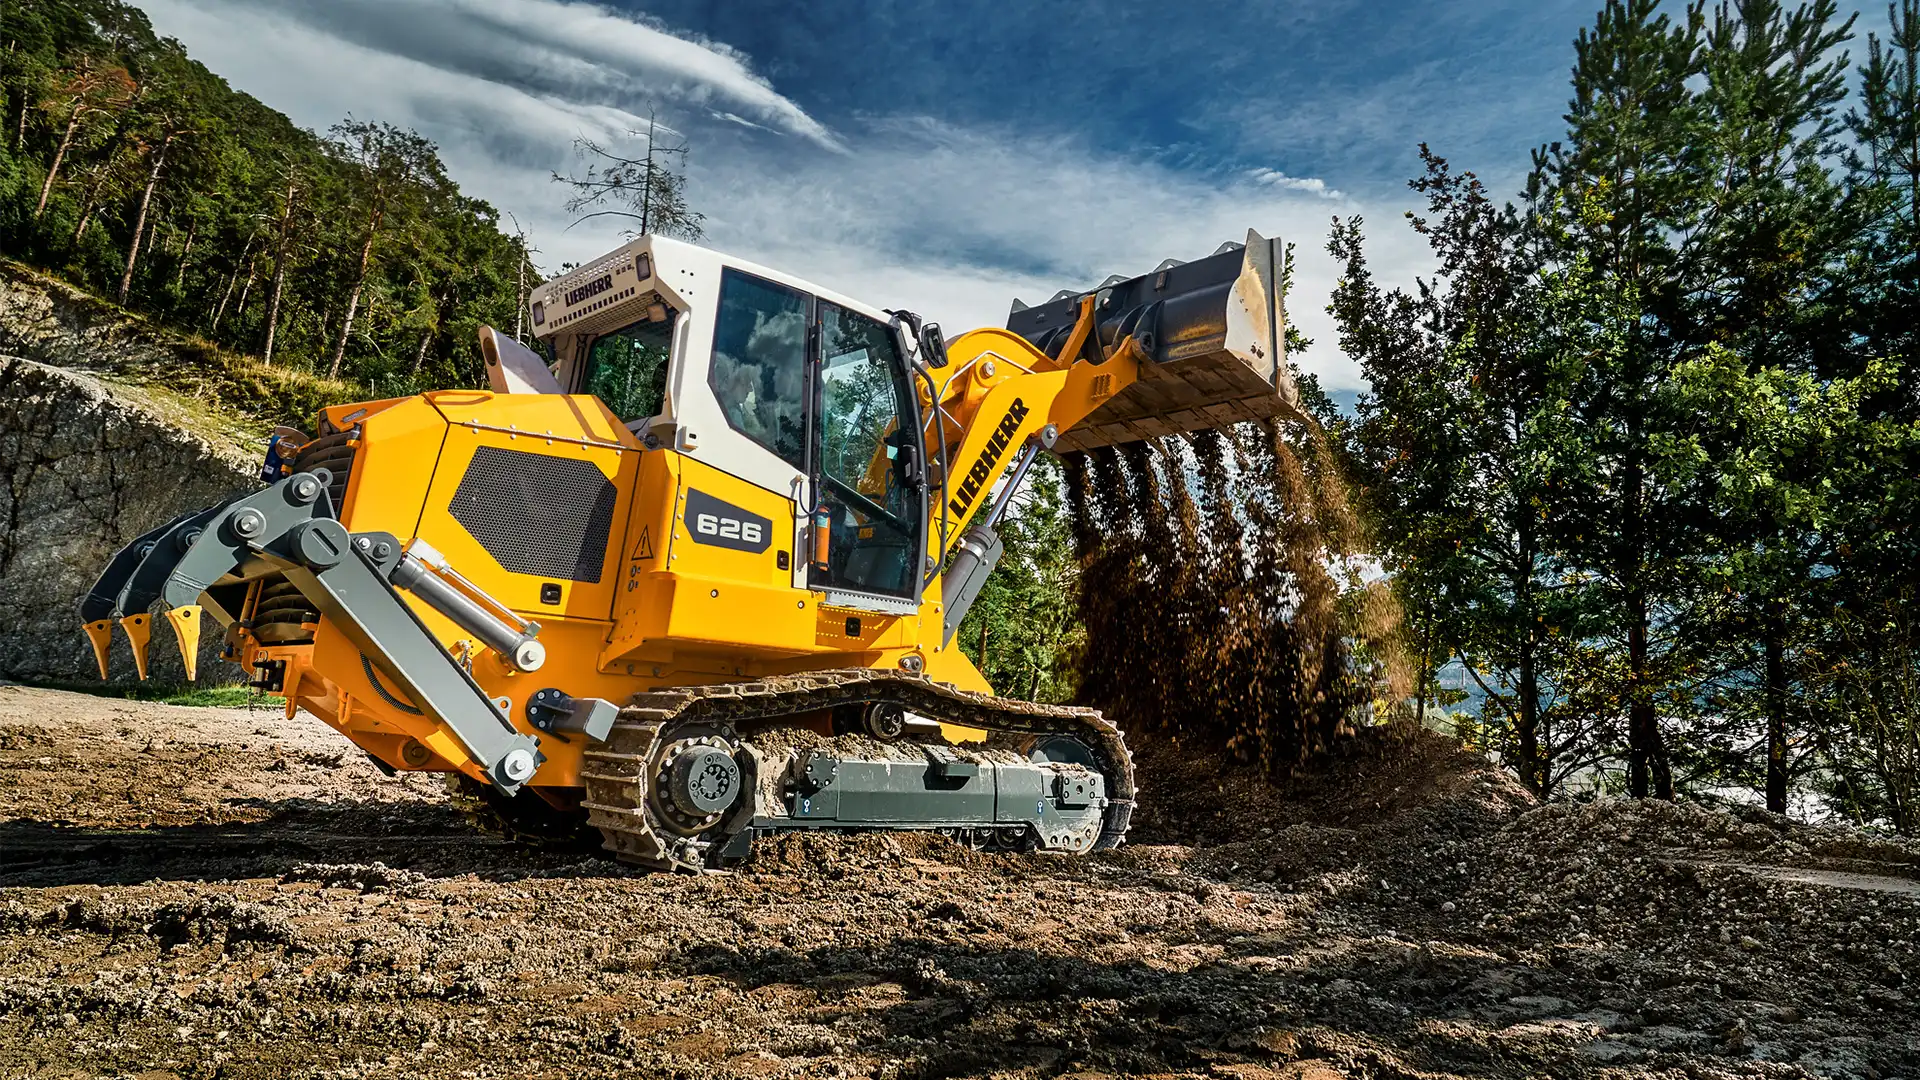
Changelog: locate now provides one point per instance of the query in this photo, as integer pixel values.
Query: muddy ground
(204, 892)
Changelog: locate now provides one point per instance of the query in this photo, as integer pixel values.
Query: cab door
(867, 480)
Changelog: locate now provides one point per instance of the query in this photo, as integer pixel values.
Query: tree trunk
(186, 252)
(92, 203)
(20, 124)
(520, 297)
(246, 257)
(420, 354)
(253, 270)
(1648, 772)
(353, 300)
(280, 266)
(66, 140)
(1776, 709)
(140, 219)
(1533, 770)
(1533, 764)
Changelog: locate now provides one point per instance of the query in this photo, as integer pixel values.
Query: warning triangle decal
(644, 549)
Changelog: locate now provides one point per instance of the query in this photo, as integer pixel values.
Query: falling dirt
(218, 893)
(1220, 595)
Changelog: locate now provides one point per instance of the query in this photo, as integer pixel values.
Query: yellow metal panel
(392, 468)
(567, 427)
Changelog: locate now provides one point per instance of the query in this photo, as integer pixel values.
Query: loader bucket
(1211, 334)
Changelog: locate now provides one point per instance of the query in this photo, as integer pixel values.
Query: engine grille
(537, 514)
(335, 454)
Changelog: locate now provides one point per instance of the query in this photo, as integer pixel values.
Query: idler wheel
(703, 781)
(884, 721)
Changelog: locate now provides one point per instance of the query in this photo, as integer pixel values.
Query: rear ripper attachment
(204, 563)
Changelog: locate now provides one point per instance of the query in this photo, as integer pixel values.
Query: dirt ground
(219, 893)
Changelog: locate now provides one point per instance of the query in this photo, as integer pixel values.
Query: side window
(759, 370)
(627, 369)
(869, 484)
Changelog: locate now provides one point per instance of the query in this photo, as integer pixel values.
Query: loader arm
(997, 403)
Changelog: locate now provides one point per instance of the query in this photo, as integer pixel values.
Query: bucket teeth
(139, 629)
(100, 633)
(186, 631)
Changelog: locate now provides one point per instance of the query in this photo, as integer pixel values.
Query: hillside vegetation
(129, 169)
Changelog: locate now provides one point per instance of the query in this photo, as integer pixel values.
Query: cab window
(869, 479)
(759, 371)
(627, 369)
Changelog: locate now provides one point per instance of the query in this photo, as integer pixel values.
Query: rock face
(110, 426)
(86, 466)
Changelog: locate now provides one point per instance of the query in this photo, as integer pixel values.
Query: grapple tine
(102, 602)
(100, 633)
(139, 629)
(149, 580)
(186, 631)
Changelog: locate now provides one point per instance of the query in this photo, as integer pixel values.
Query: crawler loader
(691, 573)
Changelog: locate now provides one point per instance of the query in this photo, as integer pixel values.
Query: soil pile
(1386, 915)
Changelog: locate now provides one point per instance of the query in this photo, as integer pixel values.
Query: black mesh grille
(537, 514)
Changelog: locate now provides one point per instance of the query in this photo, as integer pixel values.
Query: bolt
(516, 766)
(529, 655)
(363, 543)
(305, 489)
(249, 523)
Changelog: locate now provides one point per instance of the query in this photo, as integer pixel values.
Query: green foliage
(130, 170)
(1022, 631)
(233, 696)
(1642, 457)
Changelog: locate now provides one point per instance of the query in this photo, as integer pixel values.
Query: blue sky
(945, 157)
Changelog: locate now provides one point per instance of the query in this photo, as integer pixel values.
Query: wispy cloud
(1312, 185)
(950, 220)
(551, 50)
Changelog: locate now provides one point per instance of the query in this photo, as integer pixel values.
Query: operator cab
(776, 381)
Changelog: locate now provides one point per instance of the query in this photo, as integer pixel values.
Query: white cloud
(952, 222)
(1312, 185)
(955, 223)
(548, 49)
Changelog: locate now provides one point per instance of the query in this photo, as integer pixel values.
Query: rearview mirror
(933, 345)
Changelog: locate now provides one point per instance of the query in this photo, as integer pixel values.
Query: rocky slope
(108, 427)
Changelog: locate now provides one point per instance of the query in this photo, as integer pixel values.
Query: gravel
(203, 893)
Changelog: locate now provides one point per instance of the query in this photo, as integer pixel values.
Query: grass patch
(231, 696)
(134, 347)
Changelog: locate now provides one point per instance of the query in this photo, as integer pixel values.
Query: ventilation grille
(537, 514)
(335, 454)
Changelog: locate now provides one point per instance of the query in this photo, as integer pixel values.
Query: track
(618, 779)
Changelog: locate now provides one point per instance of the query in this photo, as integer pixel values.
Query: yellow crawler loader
(693, 575)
